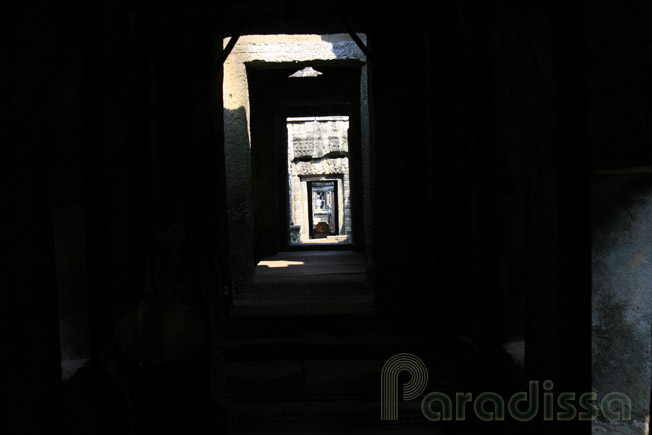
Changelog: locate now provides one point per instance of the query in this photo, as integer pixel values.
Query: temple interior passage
(279, 217)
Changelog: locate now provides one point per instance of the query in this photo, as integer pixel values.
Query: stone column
(622, 296)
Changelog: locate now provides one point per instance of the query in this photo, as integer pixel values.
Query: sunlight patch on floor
(280, 263)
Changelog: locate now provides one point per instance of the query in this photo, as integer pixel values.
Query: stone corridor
(499, 159)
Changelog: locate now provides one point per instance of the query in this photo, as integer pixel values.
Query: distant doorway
(323, 209)
(319, 180)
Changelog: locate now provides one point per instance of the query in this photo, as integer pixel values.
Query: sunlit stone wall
(318, 150)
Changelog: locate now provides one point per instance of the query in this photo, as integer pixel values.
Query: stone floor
(307, 347)
(307, 283)
(310, 267)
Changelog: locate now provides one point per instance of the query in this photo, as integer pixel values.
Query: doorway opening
(319, 180)
(296, 130)
(298, 175)
(323, 210)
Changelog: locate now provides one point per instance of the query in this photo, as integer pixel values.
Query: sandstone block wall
(318, 150)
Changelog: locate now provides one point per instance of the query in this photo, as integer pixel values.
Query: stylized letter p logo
(389, 382)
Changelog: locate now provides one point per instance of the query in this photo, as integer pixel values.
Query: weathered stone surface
(622, 288)
(619, 428)
(317, 147)
(321, 167)
(314, 138)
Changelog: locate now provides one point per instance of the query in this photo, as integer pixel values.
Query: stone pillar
(622, 295)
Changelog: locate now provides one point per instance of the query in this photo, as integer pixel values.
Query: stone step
(352, 417)
(349, 368)
(255, 326)
(335, 379)
(326, 379)
(339, 394)
(349, 345)
(323, 416)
